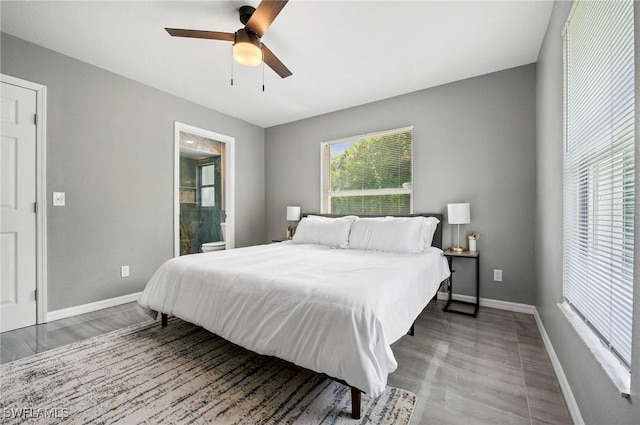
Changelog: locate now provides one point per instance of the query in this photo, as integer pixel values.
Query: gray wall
(474, 141)
(597, 398)
(110, 148)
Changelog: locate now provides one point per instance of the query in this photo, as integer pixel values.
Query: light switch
(58, 199)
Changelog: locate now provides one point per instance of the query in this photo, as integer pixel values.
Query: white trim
(325, 157)
(88, 308)
(618, 373)
(487, 302)
(572, 405)
(369, 192)
(230, 181)
(569, 17)
(369, 135)
(41, 191)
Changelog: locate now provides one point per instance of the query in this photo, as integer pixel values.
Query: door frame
(229, 181)
(41, 191)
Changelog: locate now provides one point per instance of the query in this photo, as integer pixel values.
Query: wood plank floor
(489, 370)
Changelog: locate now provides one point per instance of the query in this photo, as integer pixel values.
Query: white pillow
(327, 231)
(393, 234)
(430, 226)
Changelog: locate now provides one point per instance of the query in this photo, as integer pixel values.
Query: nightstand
(471, 255)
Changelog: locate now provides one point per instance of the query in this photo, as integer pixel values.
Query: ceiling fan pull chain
(263, 71)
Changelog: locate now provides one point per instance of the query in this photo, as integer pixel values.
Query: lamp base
(456, 249)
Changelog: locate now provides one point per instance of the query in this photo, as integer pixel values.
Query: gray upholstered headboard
(437, 236)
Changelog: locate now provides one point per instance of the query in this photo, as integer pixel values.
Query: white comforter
(334, 311)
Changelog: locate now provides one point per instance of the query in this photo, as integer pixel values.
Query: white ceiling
(341, 53)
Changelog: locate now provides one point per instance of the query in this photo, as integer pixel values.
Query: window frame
(202, 186)
(325, 172)
(589, 201)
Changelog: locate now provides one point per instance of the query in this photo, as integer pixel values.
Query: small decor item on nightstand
(473, 237)
(458, 214)
(293, 215)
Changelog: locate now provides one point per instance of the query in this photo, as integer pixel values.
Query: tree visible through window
(369, 174)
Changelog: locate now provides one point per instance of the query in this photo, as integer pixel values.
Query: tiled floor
(489, 370)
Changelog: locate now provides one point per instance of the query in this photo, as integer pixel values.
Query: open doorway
(204, 190)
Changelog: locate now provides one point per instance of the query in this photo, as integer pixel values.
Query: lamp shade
(293, 213)
(459, 214)
(247, 48)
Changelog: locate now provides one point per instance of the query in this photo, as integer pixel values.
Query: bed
(313, 301)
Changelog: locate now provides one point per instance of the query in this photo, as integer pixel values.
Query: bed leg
(356, 396)
(164, 319)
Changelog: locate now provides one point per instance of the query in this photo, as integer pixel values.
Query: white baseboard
(572, 405)
(87, 308)
(487, 302)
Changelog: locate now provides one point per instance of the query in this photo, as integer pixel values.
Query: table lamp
(293, 215)
(458, 214)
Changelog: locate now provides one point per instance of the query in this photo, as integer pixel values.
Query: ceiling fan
(247, 48)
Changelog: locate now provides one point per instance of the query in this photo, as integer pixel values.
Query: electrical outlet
(124, 271)
(58, 199)
(497, 275)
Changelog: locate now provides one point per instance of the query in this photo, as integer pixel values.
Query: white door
(17, 208)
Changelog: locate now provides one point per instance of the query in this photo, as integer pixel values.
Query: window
(599, 170)
(208, 185)
(370, 174)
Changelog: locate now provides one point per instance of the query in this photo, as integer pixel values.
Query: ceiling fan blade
(264, 16)
(211, 35)
(274, 63)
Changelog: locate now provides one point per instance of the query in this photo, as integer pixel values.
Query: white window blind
(599, 169)
(370, 174)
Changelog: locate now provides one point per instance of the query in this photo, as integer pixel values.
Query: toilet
(216, 246)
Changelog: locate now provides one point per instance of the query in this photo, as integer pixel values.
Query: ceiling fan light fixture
(247, 49)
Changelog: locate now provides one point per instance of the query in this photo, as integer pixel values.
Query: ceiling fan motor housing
(245, 13)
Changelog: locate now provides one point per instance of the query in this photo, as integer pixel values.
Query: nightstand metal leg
(475, 255)
(475, 313)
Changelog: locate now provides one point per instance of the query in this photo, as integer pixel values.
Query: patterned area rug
(181, 374)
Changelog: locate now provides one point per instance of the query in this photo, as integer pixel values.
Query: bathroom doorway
(203, 190)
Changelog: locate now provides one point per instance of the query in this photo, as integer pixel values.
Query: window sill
(619, 375)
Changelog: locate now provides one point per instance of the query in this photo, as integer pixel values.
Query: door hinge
(35, 119)
(35, 207)
(35, 295)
